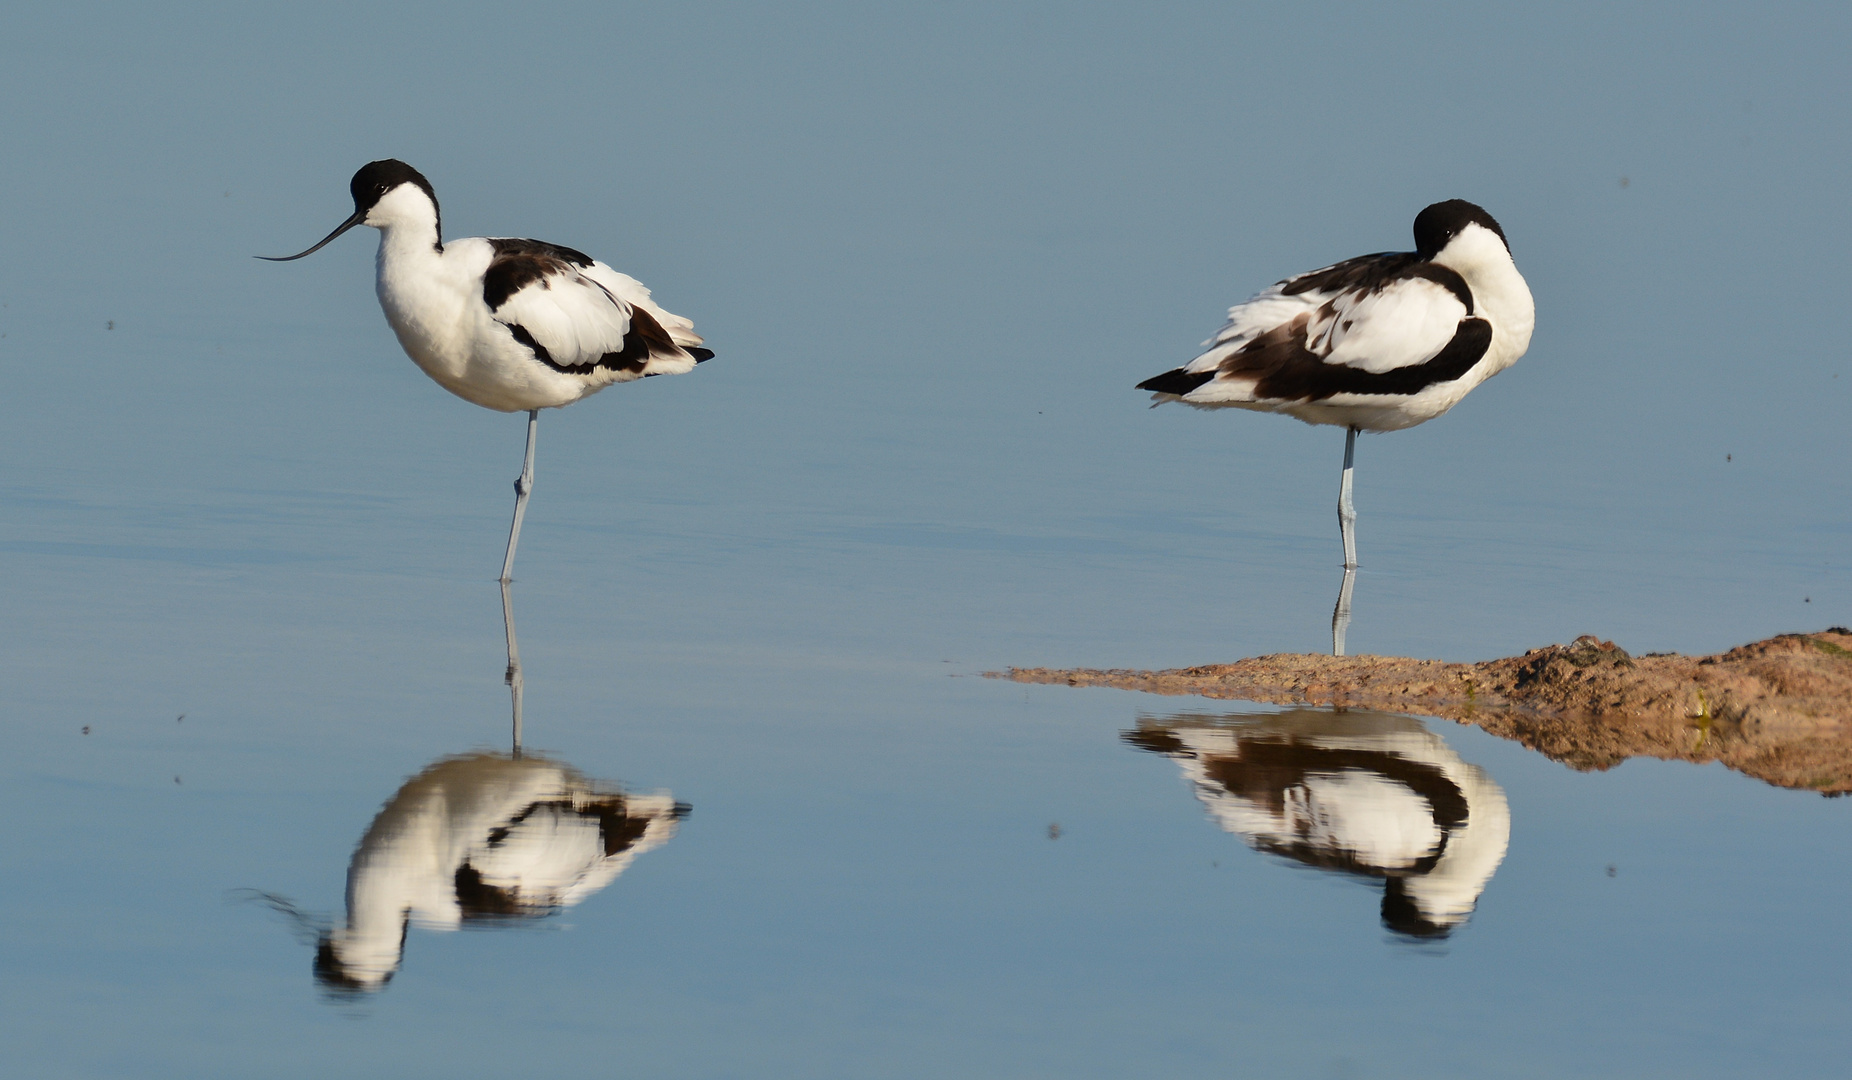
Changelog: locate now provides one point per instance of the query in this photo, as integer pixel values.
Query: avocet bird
(508, 324)
(1369, 794)
(1376, 343)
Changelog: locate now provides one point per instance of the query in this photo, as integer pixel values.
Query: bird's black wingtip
(1176, 381)
(701, 356)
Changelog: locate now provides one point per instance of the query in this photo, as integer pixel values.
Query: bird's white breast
(433, 301)
(1500, 295)
(427, 296)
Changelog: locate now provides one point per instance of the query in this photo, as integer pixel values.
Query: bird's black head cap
(1445, 220)
(375, 178)
(369, 186)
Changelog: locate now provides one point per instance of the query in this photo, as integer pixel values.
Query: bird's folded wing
(1250, 319)
(1376, 323)
(1405, 323)
(574, 312)
(576, 320)
(633, 292)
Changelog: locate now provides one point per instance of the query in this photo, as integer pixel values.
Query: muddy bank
(1779, 710)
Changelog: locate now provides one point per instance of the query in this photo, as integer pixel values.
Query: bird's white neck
(410, 241)
(1499, 292)
(408, 224)
(420, 291)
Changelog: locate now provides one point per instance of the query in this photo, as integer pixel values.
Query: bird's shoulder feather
(576, 314)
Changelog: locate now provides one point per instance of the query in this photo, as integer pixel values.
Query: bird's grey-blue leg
(1347, 526)
(513, 676)
(522, 487)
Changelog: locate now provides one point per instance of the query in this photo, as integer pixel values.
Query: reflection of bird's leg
(513, 676)
(1347, 514)
(521, 488)
(1340, 617)
(1347, 527)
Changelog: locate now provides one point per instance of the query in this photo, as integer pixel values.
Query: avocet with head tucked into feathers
(508, 324)
(1376, 343)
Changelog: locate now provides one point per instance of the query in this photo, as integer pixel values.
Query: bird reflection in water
(478, 840)
(482, 839)
(1369, 794)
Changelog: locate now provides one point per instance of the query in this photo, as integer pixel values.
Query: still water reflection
(477, 840)
(483, 839)
(1374, 795)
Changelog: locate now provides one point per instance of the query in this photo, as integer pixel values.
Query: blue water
(933, 249)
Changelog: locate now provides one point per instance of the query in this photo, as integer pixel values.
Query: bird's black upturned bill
(358, 217)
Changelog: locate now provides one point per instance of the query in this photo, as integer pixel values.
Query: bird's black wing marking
(509, 246)
(540, 351)
(1176, 381)
(646, 336)
(517, 264)
(1283, 369)
(1373, 273)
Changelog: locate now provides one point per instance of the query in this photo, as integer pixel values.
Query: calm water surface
(770, 820)
(879, 865)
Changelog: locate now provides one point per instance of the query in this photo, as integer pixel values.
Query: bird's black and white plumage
(1380, 342)
(512, 325)
(1376, 343)
(508, 324)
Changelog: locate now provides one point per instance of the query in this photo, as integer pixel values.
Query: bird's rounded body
(433, 302)
(508, 324)
(1379, 343)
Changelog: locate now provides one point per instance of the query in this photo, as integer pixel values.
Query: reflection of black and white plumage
(1368, 794)
(483, 838)
(1380, 342)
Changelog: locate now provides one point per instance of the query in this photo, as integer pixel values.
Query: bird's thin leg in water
(513, 676)
(522, 487)
(1347, 526)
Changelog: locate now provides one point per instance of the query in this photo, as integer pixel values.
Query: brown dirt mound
(1779, 710)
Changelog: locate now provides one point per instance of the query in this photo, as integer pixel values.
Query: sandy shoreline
(1779, 710)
